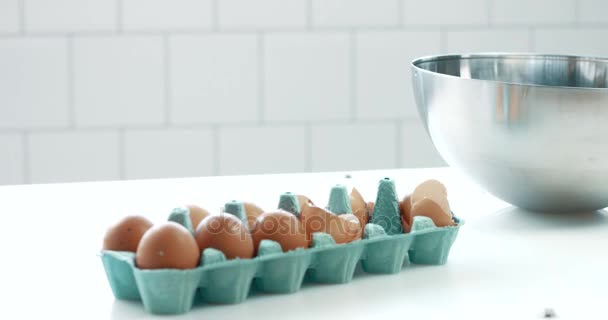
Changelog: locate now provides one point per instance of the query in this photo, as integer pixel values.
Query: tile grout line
(443, 40)
(167, 79)
(71, 83)
(216, 150)
(353, 75)
(399, 144)
(531, 39)
(25, 144)
(400, 13)
(215, 15)
(308, 144)
(261, 78)
(122, 154)
(22, 17)
(309, 6)
(577, 12)
(119, 17)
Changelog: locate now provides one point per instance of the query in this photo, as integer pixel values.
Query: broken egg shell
(343, 228)
(167, 246)
(304, 201)
(359, 207)
(429, 208)
(433, 190)
(405, 206)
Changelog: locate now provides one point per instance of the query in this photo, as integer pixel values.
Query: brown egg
(197, 214)
(126, 234)
(343, 228)
(405, 207)
(227, 234)
(253, 212)
(280, 226)
(433, 190)
(429, 208)
(360, 209)
(167, 246)
(304, 201)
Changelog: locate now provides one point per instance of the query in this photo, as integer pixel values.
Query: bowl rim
(505, 55)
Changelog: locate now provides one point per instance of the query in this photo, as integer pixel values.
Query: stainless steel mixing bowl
(531, 129)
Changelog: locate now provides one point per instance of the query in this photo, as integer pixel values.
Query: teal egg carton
(221, 281)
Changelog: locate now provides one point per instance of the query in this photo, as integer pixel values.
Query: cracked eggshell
(360, 208)
(405, 206)
(343, 228)
(433, 190)
(429, 208)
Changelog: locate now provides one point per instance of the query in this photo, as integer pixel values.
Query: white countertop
(505, 263)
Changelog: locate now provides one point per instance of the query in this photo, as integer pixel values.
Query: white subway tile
(9, 16)
(593, 11)
(168, 153)
(383, 76)
(214, 79)
(488, 40)
(353, 147)
(262, 13)
(307, 76)
(533, 12)
(355, 12)
(33, 82)
(166, 14)
(70, 15)
(445, 12)
(250, 150)
(578, 41)
(11, 159)
(417, 149)
(73, 156)
(118, 81)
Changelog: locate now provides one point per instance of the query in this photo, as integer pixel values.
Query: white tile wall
(33, 82)
(11, 159)
(167, 14)
(214, 79)
(70, 15)
(307, 77)
(445, 12)
(488, 40)
(118, 80)
(533, 12)
(110, 89)
(593, 11)
(355, 12)
(250, 150)
(572, 41)
(248, 14)
(354, 146)
(417, 149)
(9, 16)
(383, 78)
(162, 153)
(74, 156)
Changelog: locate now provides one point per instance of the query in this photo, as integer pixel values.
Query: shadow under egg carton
(221, 281)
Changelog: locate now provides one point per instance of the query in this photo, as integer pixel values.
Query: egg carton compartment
(221, 281)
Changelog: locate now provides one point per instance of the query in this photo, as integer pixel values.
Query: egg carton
(221, 281)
